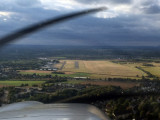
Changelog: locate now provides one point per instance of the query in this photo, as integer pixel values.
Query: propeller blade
(22, 32)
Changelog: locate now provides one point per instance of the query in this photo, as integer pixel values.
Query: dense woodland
(79, 52)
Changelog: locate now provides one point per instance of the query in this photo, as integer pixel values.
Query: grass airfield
(94, 69)
(101, 69)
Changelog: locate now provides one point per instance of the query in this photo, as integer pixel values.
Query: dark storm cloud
(94, 31)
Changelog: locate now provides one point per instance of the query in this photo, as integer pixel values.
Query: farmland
(18, 83)
(41, 73)
(35, 71)
(124, 85)
(96, 69)
(154, 69)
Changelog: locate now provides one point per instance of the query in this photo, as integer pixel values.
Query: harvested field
(40, 72)
(102, 69)
(113, 69)
(1, 86)
(124, 85)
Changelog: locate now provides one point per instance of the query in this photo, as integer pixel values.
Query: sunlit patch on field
(153, 70)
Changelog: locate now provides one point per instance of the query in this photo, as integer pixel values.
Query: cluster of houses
(50, 66)
(150, 86)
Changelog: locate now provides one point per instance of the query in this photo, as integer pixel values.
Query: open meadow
(19, 83)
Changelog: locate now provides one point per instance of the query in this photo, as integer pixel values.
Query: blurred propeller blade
(21, 33)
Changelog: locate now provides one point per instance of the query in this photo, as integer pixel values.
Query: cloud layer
(126, 22)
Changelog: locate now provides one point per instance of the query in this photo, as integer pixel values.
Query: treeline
(148, 73)
(17, 52)
(14, 75)
(22, 64)
(78, 96)
(1, 95)
(88, 95)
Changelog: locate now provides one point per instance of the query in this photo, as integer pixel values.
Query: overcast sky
(126, 22)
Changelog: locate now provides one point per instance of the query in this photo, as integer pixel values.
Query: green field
(38, 72)
(18, 83)
(78, 74)
(31, 73)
